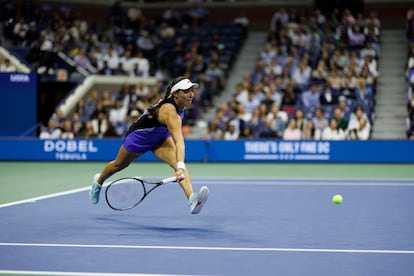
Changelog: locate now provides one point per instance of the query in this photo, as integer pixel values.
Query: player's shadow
(146, 226)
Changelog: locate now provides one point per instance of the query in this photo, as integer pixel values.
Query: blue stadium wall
(376, 151)
(18, 98)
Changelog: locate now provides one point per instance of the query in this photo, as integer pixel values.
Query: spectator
(77, 124)
(370, 63)
(125, 59)
(7, 66)
(348, 85)
(107, 101)
(292, 132)
(327, 97)
(300, 119)
(289, 97)
(241, 91)
(118, 116)
(53, 131)
(341, 121)
(105, 69)
(267, 55)
(277, 120)
(356, 37)
(279, 19)
(302, 75)
(140, 63)
(59, 116)
(243, 21)
(364, 95)
(231, 132)
(320, 73)
(146, 45)
(277, 88)
(100, 124)
(20, 30)
(332, 132)
(320, 122)
(339, 60)
(344, 107)
(213, 130)
(359, 127)
(87, 131)
(111, 58)
(214, 77)
(258, 125)
(334, 81)
(142, 90)
(368, 50)
(268, 101)
(310, 98)
(241, 114)
(90, 104)
(67, 132)
(308, 131)
(258, 72)
(251, 103)
(119, 70)
(82, 60)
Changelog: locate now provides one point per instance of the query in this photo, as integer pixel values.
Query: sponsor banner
(79, 150)
(401, 151)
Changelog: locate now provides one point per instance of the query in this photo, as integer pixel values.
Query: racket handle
(169, 179)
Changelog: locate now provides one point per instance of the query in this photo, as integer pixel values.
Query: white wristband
(180, 165)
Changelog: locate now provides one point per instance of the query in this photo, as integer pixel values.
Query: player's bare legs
(166, 153)
(122, 160)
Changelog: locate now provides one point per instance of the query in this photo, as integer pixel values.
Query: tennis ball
(337, 199)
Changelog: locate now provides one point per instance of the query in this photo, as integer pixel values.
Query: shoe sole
(202, 198)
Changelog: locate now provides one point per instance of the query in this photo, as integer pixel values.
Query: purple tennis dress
(146, 133)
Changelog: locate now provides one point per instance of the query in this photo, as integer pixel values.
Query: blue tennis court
(249, 226)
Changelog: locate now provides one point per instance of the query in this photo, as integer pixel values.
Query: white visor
(183, 85)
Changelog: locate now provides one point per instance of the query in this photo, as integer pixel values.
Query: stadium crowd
(178, 42)
(315, 77)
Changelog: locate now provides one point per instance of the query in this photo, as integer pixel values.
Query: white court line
(56, 273)
(208, 248)
(357, 182)
(34, 199)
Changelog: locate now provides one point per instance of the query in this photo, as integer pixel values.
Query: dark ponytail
(167, 95)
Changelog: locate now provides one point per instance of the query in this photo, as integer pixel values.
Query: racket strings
(125, 193)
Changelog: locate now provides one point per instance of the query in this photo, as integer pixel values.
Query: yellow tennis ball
(337, 199)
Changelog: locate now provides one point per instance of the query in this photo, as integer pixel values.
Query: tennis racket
(126, 193)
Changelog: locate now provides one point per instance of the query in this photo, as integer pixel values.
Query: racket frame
(139, 181)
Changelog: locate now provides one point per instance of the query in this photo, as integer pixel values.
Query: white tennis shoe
(95, 190)
(197, 200)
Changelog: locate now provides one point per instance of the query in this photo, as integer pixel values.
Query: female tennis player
(159, 129)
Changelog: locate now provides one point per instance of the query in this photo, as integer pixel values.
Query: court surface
(249, 226)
